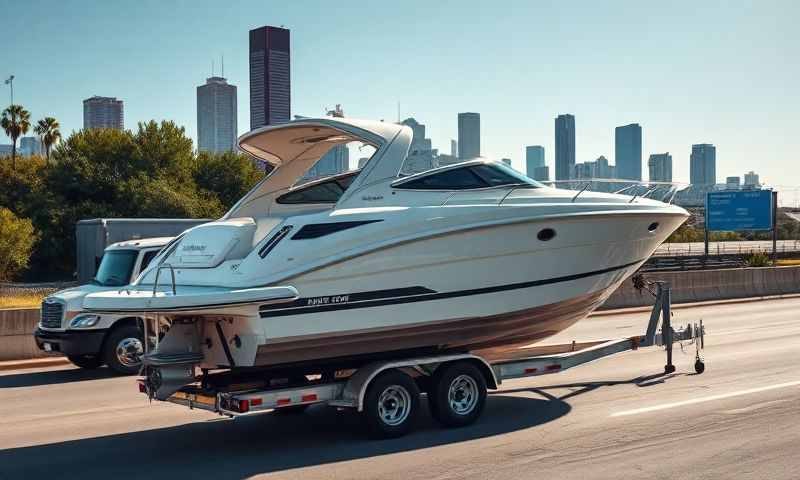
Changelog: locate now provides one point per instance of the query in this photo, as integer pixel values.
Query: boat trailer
(388, 392)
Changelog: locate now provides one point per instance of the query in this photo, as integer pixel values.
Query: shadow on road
(580, 388)
(259, 444)
(52, 377)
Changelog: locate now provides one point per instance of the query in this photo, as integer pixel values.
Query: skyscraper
(534, 158)
(454, 148)
(703, 164)
(660, 167)
(421, 153)
(565, 146)
(30, 146)
(216, 116)
(270, 91)
(103, 112)
(469, 135)
(628, 151)
(751, 179)
(337, 160)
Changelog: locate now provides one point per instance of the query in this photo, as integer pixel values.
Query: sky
(721, 72)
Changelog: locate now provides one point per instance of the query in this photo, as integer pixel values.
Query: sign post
(774, 226)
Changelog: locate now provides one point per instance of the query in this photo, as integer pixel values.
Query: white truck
(90, 340)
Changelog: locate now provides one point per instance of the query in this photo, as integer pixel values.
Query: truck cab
(91, 340)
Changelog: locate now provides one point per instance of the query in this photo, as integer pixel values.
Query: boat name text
(312, 302)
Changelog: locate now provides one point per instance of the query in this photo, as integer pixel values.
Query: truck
(94, 235)
(89, 340)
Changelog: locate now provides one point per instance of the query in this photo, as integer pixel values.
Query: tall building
(270, 90)
(733, 183)
(216, 116)
(541, 174)
(565, 146)
(600, 168)
(103, 112)
(421, 154)
(751, 179)
(703, 164)
(337, 160)
(30, 146)
(454, 148)
(660, 167)
(628, 151)
(534, 158)
(469, 135)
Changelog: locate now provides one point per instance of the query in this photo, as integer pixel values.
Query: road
(729, 248)
(615, 418)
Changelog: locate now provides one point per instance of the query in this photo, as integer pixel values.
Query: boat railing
(158, 272)
(662, 191)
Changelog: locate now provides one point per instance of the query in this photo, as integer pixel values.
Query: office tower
(454, 148)
(103, 112)
(628, 151)
(30, 146)
(660, 167)
(337, 160)
(534, 158)
(600, 168)
(421, 155)
(703, 164)
(216, 116)
(270, 91)
(751, 179)
(565, 146)
(469, 135)
(541, 174)
(732, 183)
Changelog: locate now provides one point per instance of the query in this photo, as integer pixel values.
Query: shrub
(16, 242)
(757, 259)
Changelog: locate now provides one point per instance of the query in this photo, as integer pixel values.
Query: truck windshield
(116, 268)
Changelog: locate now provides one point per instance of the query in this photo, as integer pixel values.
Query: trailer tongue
(387, 392)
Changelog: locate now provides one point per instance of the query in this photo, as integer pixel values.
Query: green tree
(15, 121)
(48, 130)
(227, 175)
(16, 241)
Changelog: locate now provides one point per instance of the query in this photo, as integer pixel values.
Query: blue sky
(688, 72)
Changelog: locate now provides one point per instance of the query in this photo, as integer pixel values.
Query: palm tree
(47, 129)
(16, 121)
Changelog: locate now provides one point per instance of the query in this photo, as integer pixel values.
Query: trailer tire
(458, 395)
(88, 362)
(391, 404)
(120, 346)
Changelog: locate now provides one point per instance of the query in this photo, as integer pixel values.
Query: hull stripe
(408, 295)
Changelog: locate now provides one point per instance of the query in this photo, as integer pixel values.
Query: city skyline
(699, 101)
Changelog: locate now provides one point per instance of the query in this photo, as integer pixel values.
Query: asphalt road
(615, 418)
(730, 248)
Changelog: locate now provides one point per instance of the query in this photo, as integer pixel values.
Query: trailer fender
(356, 387)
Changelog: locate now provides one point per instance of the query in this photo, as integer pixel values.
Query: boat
(374, 262)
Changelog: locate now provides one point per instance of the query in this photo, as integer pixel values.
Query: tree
(16, 242)
(15, 121)
(48, 130)
(227, 175)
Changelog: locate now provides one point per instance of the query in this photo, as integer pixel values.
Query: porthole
(546, 234)
(652, 227)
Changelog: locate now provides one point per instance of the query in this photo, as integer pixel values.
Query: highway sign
(739, 210)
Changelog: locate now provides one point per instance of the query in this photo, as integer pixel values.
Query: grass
(21, 300)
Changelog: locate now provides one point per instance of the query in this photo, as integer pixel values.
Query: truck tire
(458, 394)
(88, 362)
(391, 405)
(122, 350)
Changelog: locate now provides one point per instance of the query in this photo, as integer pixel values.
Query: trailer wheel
(391, 404)
(458, 394)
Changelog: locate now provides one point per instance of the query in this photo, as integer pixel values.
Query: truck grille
(52, 312)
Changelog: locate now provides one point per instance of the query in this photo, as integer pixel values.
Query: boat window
(454, 179)
(495, 176)
(148, 257)
(326, 192)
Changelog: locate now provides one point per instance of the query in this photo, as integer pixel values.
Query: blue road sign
(739, 210)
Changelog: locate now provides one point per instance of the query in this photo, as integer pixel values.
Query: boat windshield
(115, 268)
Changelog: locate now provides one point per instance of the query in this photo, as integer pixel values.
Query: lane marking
(711, 398)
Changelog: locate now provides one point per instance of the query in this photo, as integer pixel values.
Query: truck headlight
(84, 321)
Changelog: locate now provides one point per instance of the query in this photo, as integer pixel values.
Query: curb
(33, 363)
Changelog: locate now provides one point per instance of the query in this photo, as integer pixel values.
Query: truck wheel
(89, 362)
(391, 405)
(123, 350)
(458, 394)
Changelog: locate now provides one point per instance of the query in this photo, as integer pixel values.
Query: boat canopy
(295, 147)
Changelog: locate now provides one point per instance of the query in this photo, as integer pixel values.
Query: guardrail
(743, 247)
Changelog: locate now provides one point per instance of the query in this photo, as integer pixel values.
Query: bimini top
(283, 143)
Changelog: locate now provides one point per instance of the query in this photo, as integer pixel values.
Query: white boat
(340, 269)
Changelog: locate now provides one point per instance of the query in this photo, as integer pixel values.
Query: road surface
(727, 248)
(615, 418)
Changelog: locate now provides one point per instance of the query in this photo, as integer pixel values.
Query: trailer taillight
(142, 386)
(284, 401)
(256, 402)
(311, 397)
